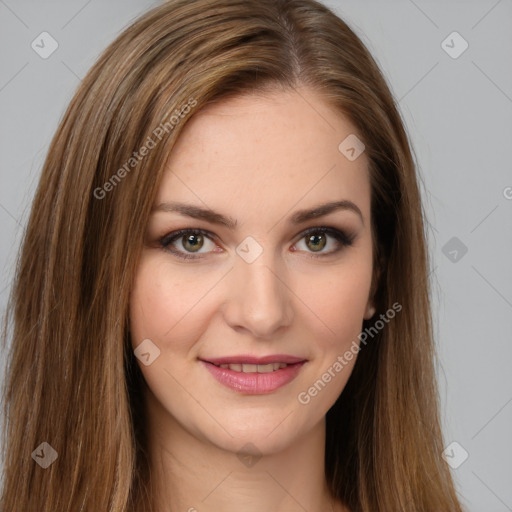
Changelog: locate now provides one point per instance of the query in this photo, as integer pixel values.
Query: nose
(259, 299)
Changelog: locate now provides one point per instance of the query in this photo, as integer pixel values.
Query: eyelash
(341, 237)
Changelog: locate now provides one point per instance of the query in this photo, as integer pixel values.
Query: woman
(222, 299)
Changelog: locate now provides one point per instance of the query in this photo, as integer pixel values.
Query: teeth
(254, 368)
(265, 368)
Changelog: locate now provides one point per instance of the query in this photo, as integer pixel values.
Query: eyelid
(346, 238)
(341, 236)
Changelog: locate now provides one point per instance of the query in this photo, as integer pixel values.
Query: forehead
(271, 152)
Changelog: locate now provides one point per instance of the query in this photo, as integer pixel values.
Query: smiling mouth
(254, 375)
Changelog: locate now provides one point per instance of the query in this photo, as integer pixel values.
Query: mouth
(252, 375)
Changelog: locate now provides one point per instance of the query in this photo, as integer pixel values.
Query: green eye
(193, 240)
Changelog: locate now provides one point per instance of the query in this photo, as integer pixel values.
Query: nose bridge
(260, 301)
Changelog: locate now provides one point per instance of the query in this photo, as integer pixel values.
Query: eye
(316, 239)
(191, 240)
(187, 243)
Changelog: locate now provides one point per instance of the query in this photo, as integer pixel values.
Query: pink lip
(255, 383)
(246, 359)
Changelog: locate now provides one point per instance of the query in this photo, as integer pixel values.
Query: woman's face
(264, 275)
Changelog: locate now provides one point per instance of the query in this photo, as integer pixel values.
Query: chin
(255, 443)
(262, 432)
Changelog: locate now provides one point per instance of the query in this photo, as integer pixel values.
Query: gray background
(458, 112)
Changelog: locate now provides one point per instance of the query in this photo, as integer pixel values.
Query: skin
(257, 159)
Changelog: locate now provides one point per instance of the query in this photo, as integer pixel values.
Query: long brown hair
(72, 378)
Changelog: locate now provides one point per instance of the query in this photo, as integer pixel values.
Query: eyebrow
(213, 217)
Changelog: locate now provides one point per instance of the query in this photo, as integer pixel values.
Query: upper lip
(246, 359)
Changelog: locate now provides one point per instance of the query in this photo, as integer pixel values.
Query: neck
(194, 475)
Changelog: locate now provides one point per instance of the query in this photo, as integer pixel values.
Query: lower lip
(254, 383)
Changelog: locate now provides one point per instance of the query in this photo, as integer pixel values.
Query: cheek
(338, 302)
(161, 303)
(337, 298)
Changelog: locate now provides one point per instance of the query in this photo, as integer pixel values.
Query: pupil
(317, 241)
(190, 240)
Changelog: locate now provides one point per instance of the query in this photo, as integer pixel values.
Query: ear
(370, 307)
(370, 310)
